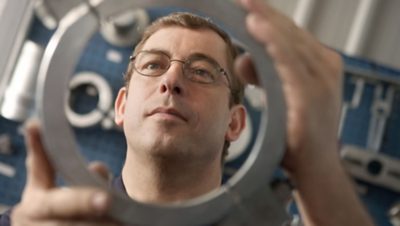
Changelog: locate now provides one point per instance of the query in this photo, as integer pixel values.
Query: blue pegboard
(378, 200)
(10, 188)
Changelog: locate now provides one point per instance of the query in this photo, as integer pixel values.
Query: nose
(173, 79)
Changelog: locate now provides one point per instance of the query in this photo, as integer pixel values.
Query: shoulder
(5, 218)
(118, 184)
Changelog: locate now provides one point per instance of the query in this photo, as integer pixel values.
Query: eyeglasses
(197, 68)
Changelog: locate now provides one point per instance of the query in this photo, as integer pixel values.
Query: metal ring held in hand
(59, 62)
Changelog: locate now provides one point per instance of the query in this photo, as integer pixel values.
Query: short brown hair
(194, 22)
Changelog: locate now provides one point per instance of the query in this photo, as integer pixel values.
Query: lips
(168, 111)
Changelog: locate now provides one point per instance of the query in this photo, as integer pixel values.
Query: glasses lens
(151, 64)
(201, 71)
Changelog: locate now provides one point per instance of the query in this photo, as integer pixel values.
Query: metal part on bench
(15, 19)
(394, 214)
(51, 12)
(60, 58)
(372, 167)
(104, 104)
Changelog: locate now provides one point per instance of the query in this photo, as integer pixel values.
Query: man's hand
(44, 204)
(311, 76)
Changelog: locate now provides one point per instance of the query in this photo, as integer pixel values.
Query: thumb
(245, 69)
(100, 169)
(40, 172)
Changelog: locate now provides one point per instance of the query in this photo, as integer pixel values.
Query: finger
(269, 13)
(245, 69)
(100, 222)
(40, 173)
(278, 44)
(257, 6)
(287, 43)
(69, 203)
(285, 57)
(284, 41)
(100, 169)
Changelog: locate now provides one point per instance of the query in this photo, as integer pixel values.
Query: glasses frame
(184, 62)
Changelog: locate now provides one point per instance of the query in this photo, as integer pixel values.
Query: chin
(170, 149)
(174, 147)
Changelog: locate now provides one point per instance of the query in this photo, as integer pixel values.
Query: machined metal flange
(58, 64)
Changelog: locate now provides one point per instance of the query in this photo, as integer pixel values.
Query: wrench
(354, 102)
(380, 110)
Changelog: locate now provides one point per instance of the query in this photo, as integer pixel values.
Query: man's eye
(201, 72)
(201, 75)
(152, 66)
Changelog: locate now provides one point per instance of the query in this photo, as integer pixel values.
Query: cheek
(213, 114)
(135, 101)
(140, 90)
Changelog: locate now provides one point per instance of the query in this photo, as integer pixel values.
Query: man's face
(171, 116)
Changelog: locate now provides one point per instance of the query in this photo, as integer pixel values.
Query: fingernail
(253, 17)
(30, 124)
(100, 201)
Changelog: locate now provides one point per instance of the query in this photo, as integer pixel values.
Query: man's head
(211, 110)
(191, 21)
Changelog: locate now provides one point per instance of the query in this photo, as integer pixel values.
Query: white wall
(332, 22)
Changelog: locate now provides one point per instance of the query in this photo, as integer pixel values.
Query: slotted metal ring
(59, 62)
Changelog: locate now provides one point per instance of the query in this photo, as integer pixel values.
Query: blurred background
(365, 32)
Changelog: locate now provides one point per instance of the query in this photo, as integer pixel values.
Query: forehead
(181, 43)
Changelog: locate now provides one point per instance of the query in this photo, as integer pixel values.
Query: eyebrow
(157, 51)
(197, 55)
(205, 57)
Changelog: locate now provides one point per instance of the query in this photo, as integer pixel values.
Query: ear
(119, 107)
(237, 122)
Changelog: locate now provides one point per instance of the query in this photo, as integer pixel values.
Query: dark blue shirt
(5, 218)
(117, 183)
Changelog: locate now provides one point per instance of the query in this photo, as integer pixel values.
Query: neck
(159, 180)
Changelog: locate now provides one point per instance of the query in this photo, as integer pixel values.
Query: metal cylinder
(361, 27)
(19, 95)
(126, 29)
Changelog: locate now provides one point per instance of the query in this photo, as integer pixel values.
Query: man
(180, 109)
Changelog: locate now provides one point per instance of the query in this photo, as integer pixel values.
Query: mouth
(168, 113)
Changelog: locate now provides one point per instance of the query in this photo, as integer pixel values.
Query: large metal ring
(59, 63)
